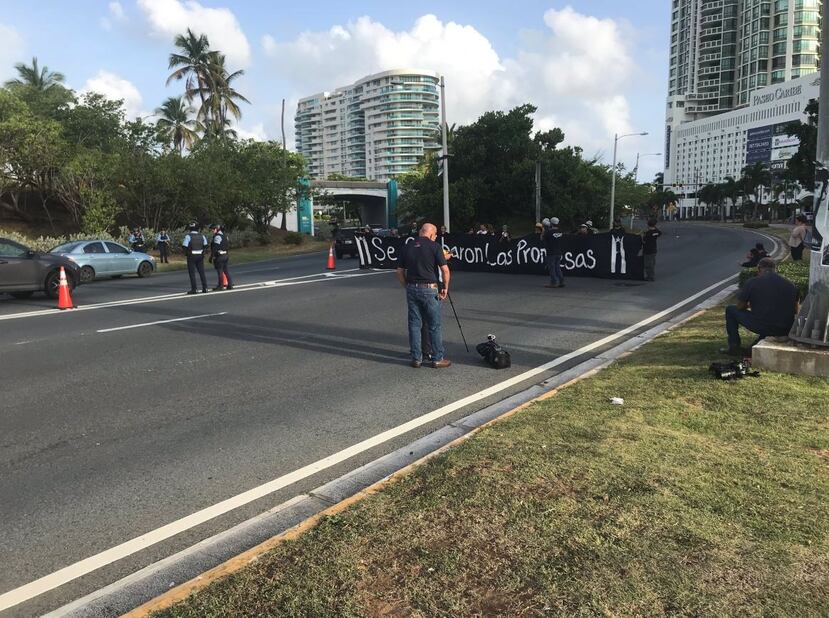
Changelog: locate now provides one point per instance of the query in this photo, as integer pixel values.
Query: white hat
(554, 220)
(588, 223)
(545, 221)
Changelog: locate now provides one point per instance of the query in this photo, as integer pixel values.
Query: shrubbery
(796, 272)
(238, 239)
(754, 225)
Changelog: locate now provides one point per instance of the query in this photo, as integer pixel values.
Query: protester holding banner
(417, 267)
(649, 237)
(552, 244)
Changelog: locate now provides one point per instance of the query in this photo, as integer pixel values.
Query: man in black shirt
(418, 264)
(649, 237)
(766, 305)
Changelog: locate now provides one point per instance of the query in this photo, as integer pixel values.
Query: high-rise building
(377, 128)
(724, 50)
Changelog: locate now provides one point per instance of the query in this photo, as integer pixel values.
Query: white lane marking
(192, 317)
(246, 287)
(87, 565)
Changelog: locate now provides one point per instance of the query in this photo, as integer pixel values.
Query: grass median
(252, 254)
(696, 497)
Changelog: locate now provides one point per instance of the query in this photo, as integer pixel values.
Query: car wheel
(145, 269)
(52, 284)
(22, 295)
(87, 274)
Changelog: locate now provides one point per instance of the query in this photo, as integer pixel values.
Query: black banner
(597, 255)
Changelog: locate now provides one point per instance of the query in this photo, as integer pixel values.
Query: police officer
(137, 240)
(194, 246)
(219, 256)
(162, 241)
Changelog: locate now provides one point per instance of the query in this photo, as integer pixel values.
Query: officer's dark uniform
(218, 254)
(194, 245)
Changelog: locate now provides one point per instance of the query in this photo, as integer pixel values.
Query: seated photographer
(766, 305)
(754, 256)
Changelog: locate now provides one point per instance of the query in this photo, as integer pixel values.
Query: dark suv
(344, 241)
(24, 272)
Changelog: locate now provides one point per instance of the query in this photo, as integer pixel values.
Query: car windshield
(67, 247)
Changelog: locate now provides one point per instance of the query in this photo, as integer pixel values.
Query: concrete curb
(154, 587)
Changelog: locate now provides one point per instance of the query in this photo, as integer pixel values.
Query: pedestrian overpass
(375, 200)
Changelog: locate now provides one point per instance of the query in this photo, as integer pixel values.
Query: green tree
(269, 184)
(175, 126)
(41, 89)
(801, 166)
(192, 64)
(755, 179)
(221, 99)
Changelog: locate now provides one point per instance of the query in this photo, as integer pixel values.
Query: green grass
(695, 498)
(251, 254)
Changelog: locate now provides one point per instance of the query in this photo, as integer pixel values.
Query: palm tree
(221, 97)
(38, 78)
(191, 64)
(176, 125)
(730, 189)
(756, 177)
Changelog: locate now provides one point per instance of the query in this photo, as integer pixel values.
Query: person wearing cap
(590, 228)
(552, 244)
(219, 257)
(505, 236)
(649, 237)
(137, 240)
(584, 230)
(194, 245)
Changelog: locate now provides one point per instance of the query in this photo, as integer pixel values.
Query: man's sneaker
(217, 288)
(204, 291)
(551, 285)
(442, 363)
(416, 364)
(191, 291)
(230, 287)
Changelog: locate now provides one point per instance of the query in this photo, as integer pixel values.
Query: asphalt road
(108, 435)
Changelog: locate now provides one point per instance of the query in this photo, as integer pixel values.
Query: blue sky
(592, 67)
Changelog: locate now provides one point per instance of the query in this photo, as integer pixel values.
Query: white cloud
(10, 51)
(168, 18)
(256, 132)
(116, 16)
(576, 69)
(115, 87)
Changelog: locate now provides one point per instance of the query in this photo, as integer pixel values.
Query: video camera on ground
(494, 354)
(732, 371)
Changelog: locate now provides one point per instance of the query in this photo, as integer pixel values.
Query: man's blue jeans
(423, 306)
(554, 266)
(734, 318)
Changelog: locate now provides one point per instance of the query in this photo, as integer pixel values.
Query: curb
(154, 587)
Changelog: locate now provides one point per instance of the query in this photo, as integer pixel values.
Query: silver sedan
(104, 258)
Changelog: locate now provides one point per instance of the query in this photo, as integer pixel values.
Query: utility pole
(538, 191)
(812, 323)
(616, 138)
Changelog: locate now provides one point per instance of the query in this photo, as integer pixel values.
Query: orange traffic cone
(332, 264)
(224, 280)
(64, 297)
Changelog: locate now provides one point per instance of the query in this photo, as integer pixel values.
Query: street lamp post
(444, 156)
(636, 167)
(616, 138)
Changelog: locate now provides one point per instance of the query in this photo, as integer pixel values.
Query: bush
(293, 238)
(796, 272)
(755, 225)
